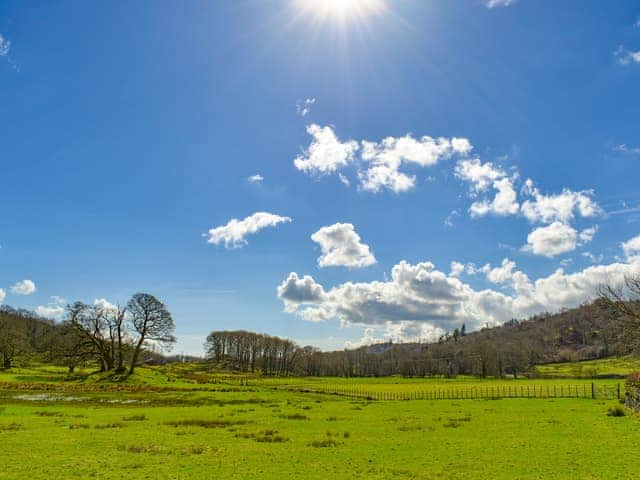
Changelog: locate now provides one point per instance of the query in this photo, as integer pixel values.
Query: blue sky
(501, 136)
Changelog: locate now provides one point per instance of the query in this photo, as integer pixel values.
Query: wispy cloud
(257, 178)
(5, 46)
(626, 57)
(624, 148)
(303, 107)
(499, 3)
(234, 234)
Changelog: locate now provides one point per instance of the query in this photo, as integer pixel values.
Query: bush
(616, 412)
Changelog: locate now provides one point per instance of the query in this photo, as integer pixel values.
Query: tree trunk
(136, 354)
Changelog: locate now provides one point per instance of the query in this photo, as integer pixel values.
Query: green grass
(591, 368)
(261, 431)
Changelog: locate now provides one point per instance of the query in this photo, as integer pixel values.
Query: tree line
(113, 337)
(252, 352)
(593, 330)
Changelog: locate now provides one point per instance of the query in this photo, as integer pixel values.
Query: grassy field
(181, 423)
(591, 368)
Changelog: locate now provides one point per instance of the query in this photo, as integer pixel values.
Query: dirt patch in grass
(79, 426)
(135, 418)
(151, 448)
(104, 426)
(326, 443)
(219, 423)
(295, 416)
(49, 414)
(10, 427)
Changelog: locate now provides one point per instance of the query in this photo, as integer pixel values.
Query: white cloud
(426, 299)
(2, 295)
(586, 235)
(257, 178)
(55, 309)
(344, 180)
(631, 248)
(499, 3)
(552, 240)
(624, 148)
(326, 153)
(397, 333)
(295, 291)
(105, 304)
(503, 273)
(5, 46)
(561, 207)
(234, 233)
(384, 159)
(482, 176)
(593, 258)
(626, 57)
(303, 107)
(24, 287)
(503, 203)
(341, 246)
(378, 165)
(457, 269)
(449, 219)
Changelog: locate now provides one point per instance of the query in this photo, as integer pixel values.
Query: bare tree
(90, 323)
(151, 321)
(624, 302)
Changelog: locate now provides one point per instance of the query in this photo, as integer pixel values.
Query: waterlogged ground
(219, 431)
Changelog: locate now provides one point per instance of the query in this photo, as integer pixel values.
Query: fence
(490, 392)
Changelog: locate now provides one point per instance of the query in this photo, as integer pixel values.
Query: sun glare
(341, 10)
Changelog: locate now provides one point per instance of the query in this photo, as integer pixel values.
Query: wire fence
(584, 390)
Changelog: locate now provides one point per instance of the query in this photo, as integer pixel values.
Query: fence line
(471, 393)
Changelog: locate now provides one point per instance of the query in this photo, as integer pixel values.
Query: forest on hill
(591, 331)
(107, 338)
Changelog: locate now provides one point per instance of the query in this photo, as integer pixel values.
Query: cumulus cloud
(257, 178)
(295, 291)
(384, 159)
(24, 287)
(631, 248)
(5, 46)
(378, 166)
(341, 247)
(326, 153)
(2, 295)
(482, 177)
(552, 240)
(426, 299)
(105, 304)
(234, 233)
(561, 207)
(397, 333)
(457, 269)
(55, 308)
(303, 107)
(503, 273)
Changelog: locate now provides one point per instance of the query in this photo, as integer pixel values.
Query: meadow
(181, 422)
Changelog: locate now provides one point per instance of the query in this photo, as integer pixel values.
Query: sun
(341, 10)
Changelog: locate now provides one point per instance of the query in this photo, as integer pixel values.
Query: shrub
(616, 412)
